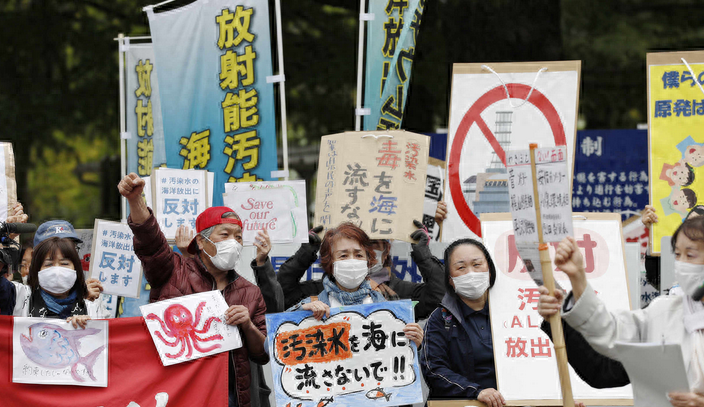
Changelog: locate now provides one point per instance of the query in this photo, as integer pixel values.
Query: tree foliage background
(59, 76)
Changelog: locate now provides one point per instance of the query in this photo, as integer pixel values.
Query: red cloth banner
(135, 374)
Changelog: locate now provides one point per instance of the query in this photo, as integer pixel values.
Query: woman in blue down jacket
(457, 357)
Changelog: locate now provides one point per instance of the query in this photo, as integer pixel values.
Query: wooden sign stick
(558, 338)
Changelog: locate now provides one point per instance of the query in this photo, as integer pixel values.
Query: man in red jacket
(217, 246)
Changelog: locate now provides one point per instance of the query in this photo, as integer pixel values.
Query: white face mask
(56, 279)
(350, 273)
(471, 285)
(690, 276)
(379, 262)
(228, 253)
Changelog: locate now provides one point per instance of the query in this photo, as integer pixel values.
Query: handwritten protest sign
(553, 187)
(179, 197)
(434, 181)
(374, 180)
(114, 262)
(278, 206)
(524, 355)
(190, 327)
(51, 351)
(358, 355)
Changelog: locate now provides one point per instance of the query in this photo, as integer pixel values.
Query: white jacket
(94, 309)
(662, 320)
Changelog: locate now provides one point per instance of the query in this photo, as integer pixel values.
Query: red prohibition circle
(473, 115)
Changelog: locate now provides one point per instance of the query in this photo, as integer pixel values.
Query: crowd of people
(455, 347)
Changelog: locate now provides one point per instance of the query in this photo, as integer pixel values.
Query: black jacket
(429, 293)
(594, 368)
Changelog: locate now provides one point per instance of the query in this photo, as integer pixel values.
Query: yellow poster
(676, 139)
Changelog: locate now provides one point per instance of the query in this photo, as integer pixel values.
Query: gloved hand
(313, 238)
(421, 235)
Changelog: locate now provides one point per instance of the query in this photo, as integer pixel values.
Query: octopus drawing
(178, 324)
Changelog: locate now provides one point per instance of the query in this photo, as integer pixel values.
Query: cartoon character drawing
(53, 347)
(178, 323)
(692, 152)
(680, 201)
(378, 393)
(678, 174)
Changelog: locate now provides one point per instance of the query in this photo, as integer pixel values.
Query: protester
(346, 255)
(428, 293)
(56, 286)
(457, 359)
(672, 318)
(271, 291)
(217, 247)
(26, 260)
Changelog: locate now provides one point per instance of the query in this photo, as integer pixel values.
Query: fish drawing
(53, 347)
(324, 401)
(289, 405)
(377, 394)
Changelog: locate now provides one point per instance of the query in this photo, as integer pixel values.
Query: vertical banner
(376, 181)
(116, 265)
(606, 179)
(213, 59)
(523, 353)
(676, 138)
(8, 185)
(391, 47)
(359, 356)
(145, 146)
(494, 108)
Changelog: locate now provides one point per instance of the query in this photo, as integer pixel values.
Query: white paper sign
(434, 180)
(554, 185)
(263, 209)
(190, 327)
(180, 196)
(524, 355)
(114, 262)
(51, 351)
(291, 192)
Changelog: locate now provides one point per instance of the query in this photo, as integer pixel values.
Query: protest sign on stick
(374, 180)
(539, 189)
(8, 186)
(113, 260)
(524, 355)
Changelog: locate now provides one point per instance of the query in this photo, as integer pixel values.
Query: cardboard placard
(374, 179)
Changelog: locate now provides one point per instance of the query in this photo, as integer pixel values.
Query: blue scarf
(60, 306)
(351, 298)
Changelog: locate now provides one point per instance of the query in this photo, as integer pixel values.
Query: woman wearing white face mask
(56, 287)
(346, 255)
(671, 318)
(457, 359)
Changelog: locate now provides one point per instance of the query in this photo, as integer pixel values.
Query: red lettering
(516, 321)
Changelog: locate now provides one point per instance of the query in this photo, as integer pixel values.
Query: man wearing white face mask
(217, 247)
(670, 318)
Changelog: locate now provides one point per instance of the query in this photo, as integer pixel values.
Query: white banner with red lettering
(526, 368)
